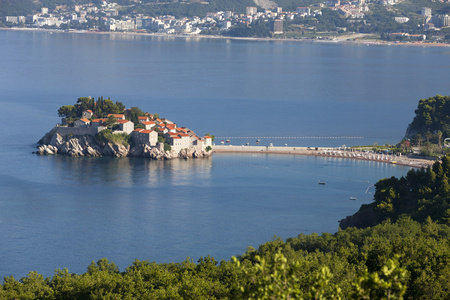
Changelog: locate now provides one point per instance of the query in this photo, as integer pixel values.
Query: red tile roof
(85, 120)
(148, 123)
(146, 131)
(123, 121)
(119, 116)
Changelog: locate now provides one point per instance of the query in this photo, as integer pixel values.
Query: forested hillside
(389, 261)
(26, 7)
(432, 116)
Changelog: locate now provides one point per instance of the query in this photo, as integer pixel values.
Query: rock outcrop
(53, 143)
(363, 218)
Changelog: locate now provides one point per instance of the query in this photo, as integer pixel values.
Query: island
(105, 128)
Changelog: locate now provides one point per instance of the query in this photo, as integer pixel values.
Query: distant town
(304, 22)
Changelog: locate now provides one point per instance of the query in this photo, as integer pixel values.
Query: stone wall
(64, 131)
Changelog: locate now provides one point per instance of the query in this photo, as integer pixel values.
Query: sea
(60, 212)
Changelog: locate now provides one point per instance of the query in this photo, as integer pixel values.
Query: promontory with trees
(105, 128)
(402, 253)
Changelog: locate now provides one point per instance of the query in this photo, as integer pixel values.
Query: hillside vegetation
(389, 261)
(432, 116)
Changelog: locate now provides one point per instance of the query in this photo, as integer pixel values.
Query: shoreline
(338, 40)
(404, 160)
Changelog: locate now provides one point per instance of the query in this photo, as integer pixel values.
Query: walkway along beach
(406, 160)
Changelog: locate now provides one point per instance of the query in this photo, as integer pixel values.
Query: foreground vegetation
(389, 261)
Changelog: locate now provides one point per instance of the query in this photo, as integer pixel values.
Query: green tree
(67, 111)
(135, 113)
(212, 136)
(439, 137)
(390, 283)
(167, 147)
(83, 104)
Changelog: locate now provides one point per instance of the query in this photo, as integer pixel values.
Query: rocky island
(105, 128)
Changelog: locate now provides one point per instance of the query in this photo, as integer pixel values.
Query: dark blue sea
(58, 212)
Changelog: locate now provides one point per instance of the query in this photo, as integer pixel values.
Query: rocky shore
(79, 146)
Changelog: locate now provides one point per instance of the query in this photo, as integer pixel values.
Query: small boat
(228, 141)
(222, 142)
(321, 182)
(353, 198)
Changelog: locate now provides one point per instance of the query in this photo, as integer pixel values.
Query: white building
(126, 126)
(251, 11)
(401, 19)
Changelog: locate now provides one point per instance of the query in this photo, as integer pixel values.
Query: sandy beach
(405, 160)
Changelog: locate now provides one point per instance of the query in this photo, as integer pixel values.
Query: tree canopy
(432, 115)
(388, 261)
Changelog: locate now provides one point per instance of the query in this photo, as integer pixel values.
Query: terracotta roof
(98, 120)
(121, 116)
(176, 137)
(139, 129)
(146, 131)
(90, 111)
(148, 123)
(85, 120)
(183, 134)
(142, 118)
(206, 137)
(123, 121)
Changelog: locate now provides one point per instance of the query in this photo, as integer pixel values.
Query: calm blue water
(60, 212)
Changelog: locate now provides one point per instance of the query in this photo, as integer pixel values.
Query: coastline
(337, 40)
(404, 160)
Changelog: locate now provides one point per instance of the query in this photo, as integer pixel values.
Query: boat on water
(353, 198)
(321, 182)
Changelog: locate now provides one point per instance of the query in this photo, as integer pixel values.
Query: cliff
(53, 143)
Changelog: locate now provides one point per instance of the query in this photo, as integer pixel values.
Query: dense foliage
(101, 108)
(257, 29)
(16, 8)
(26, 7)
(421, 194)
(182, 9)
(395, 259)
(106, 136)
(432, 115)
(291, 5)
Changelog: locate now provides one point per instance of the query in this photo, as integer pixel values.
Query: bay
(60, 212)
